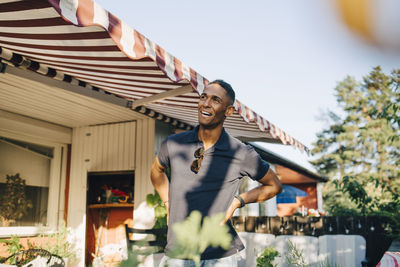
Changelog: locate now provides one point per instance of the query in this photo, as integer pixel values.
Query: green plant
(194, 235)
(160, 212)
(57, 243)
(13, 246)
(294, 256)
(362, 141)
(13, 202)
(133, 260)
(266, 258)
(385, 201)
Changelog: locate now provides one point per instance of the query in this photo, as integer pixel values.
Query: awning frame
(98, 51)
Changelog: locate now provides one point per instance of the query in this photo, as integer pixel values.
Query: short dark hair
(228, 88)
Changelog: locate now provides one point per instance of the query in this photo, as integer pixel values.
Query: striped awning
(79, 42)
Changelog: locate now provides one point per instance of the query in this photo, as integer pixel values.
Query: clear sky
(283, 58)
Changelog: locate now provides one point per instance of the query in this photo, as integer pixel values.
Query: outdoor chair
(154, 243)
(34, 257)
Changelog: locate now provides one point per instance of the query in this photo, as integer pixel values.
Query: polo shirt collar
(222, 143)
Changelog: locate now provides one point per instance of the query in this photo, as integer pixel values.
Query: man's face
(214, 105)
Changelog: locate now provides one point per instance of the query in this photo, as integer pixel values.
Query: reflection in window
(32, 162)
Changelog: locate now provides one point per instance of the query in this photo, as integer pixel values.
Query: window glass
(31, 162)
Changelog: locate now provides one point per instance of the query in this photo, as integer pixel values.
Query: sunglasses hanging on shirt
(199, 155)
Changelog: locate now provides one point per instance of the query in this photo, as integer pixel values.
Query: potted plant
(57, 243)
(53, 244)
(13, 202)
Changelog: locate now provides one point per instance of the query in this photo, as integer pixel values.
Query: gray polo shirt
(212, 189)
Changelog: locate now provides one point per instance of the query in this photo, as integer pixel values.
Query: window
(39, 164)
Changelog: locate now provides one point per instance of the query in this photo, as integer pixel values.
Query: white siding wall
(111, 147)
(143, 215)
(77, 193)
(108, 147)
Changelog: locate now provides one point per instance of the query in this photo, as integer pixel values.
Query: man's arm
(160, 182)
(269, 188)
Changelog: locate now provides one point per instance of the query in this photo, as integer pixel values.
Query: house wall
(144, 160)
(146, 152)
(112, 147)
(309, 202)
(109, 147)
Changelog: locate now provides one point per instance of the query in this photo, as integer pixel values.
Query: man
(206, 165)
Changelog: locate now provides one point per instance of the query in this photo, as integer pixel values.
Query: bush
(266, 258)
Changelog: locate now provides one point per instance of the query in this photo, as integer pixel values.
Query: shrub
(266, 258)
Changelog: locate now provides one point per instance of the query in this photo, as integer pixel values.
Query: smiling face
(214, 106)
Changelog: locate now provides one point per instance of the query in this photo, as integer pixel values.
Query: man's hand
(270, 186)
(229, 213)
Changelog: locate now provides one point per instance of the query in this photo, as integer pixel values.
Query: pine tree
(362, 142)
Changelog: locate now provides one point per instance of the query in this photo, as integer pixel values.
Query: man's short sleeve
(253, 165)
(163, 155)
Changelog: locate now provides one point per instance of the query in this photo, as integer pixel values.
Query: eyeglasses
(199, 155)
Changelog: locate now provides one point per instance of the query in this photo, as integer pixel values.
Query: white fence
(342, 250)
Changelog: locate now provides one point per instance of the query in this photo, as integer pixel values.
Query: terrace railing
(374, 229)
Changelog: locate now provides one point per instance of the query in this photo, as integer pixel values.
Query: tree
(362, 142)
(391, 111)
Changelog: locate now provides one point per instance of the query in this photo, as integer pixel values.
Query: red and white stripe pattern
(390, 259)
(81, 40)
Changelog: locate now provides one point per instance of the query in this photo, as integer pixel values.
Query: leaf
(160, 211)
(212, 229)
(151, 200)
(193, 238)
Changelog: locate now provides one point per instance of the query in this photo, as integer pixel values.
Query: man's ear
(229, 111)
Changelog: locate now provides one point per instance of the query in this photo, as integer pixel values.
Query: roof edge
(272, 157)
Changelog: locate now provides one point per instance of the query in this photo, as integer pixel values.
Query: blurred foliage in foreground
(193, 236)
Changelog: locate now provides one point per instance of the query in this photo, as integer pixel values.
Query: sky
(283, 58)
